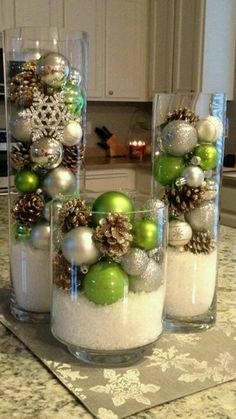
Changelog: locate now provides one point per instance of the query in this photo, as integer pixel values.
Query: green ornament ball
(145, 234)
(208, 156)
(73, 98)
(27, 181)
(167, 168)
(112, 202)
(22, 232)
(105, 283)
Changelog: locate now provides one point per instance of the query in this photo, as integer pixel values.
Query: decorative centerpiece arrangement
(108, 276)
(188, 151)
(46, 80)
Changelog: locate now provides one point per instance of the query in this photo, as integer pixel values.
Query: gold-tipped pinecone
(74, 213)
(63, 272)
(19, 156)
(183, 199)
(22, 86)
(72, 157)
(113, 235)
(28, 208)
(183, 114)
(201, 242)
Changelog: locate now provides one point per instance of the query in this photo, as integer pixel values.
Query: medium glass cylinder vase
(46, 78)
(188, 149)
(108, 276)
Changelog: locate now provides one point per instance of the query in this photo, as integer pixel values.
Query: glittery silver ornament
(211, 189)
(52, 208)
(46, 153)
(72, 134)
(78, 246)
(135, 262)
(209, 129)
(180, 233)
(153, 205)
(59, 181)
(53, 68)
(192, 176)
(204, 217)
(150, 279)
(178, 138)
(75, 77)
(21, 129)
(40, 236)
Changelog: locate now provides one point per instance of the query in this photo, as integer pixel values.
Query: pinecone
(72, 157)
(74, 213)
(182, 199)
(19, 156)
(28, 208)
(113, 235)
(184, 114)
(23, 84)
(201, 242)
(63, 272)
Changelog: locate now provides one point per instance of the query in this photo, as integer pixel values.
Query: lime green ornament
(145, 234)
(22, 232)
(167, 168)
(105, 283)
(73, 98)
(112, 202)
(208, 156)
(27, 181)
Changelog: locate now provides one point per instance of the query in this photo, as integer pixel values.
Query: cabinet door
(126, 49)
(89, 16)
(6, 14)
(98, 181)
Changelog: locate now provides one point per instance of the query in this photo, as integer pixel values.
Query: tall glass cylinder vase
(46, 80)
(188, 149)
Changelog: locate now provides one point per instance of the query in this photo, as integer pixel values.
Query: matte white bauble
(180, 233)
(209, 129)
(72, 134)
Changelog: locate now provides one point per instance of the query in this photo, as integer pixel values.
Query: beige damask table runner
(177, 366)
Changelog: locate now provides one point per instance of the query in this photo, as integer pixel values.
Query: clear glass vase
(108, 264)
(188, 149)
(46, 79)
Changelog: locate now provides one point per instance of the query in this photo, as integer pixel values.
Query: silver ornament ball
(46, 153)
(204, 217)
(78, 246)
(178, 138)
(209, 129)
(150, 279)
(52, 209)
(21, 130)
(53, 68)
(72, 134)
(180, 233)
(40, 236)
(193, 176)
(211, 189)
(135, 262)
(75, 77)
(59, 181)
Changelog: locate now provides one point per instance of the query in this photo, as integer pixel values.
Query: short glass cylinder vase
(46, 79)
(188, 150)
(109, 261)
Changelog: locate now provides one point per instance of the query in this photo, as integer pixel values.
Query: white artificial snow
(30, 271)
(128, 323)
(191, 281)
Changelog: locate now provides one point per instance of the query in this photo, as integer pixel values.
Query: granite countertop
(29, 390)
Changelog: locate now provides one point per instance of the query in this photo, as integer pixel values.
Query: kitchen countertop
(29, 390)
(98, 163)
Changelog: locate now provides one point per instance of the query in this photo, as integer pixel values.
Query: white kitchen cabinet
(228, 200)
(110, 179)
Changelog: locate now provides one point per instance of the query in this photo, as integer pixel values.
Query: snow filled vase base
(26, 316)
(191, 324)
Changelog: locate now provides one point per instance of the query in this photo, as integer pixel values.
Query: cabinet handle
(110, 92)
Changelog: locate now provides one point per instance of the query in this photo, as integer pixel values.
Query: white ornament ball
(53, 68)
(59, 181)
(150, 279)
(46, 153)
(72, 134)
(209, 129)
(40, 236)
(78, 246)
(21, 129)
(179, 138)
(193, 176)
(135, 262)
(180, 233)
(203, 218)
(211, 189)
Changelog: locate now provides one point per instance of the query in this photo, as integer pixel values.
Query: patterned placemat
(178, 365)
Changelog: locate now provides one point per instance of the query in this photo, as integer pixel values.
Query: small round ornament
(75, 77)
(209, 129)
(78, 246)
(153, 205)
(21, 130)
(40, 236)
(178, 138)
(74, 99)
(167, 168)
(53, 68)
(59, 181)
(106, 283)
(135, 261)
(193, 176)
(46, 153)
(150, 279)
(112, 202)
(52, 208)
(203, 218)
(72, 134)
(27, 181)
(180, 233)
(145, 234)
(22, 232)
(208, 156)
(211, 189)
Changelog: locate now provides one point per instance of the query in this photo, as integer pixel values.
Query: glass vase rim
(63, 30)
